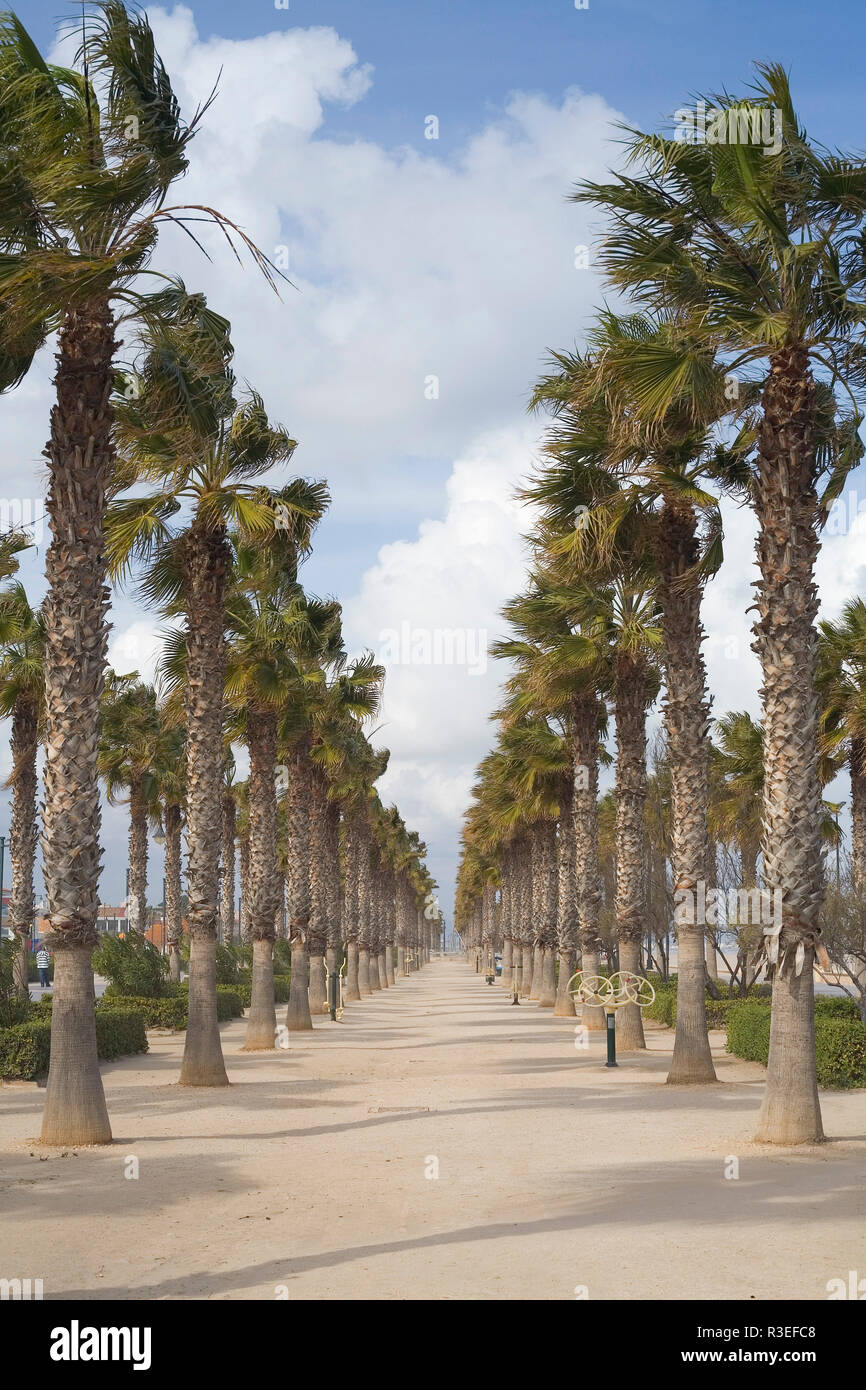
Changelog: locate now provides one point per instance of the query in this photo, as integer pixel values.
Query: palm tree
(91, 155)
(562, 668)
(360, 769)
(205, 459)
(632, 620)
(22, 696)
(842, 686)
(262, 608)
(736, 796)
(337, 709)
(170, 771)
(127, 753)
(298, 1017)
(92, 201)
(762, 255)
(638, 490)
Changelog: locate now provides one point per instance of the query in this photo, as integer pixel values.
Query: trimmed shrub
(840, 1041)
(157, 1013)
(835, 1006)
(664, 1007)
(119, 1033)
(25, 1049)
(243, 989)
(172, 1013)
(229, 1003)
(749, 1030)
(840, 1046)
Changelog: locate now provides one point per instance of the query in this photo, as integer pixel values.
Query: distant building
(111, 920)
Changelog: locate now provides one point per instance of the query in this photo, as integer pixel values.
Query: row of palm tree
(156, 469)
(734, 370)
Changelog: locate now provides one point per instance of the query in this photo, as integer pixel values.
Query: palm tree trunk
(547, 914)
(350, 905)
(137, 902)
(786, 642)
(207, 563)
(584, 730)
(173, 919)
(374, 927)
(686, 714)
(261, 736)
(403, 893)
(365, 908)
(857, 770)
(317, 931)
(280, 926)
(630, 699)
(507, 963)
(566, 907)
(227, 868)
(22, 833)
(244, 874)
(80, 458)
(298, 1017)
(333, 896)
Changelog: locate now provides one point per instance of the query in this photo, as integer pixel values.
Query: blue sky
(451, 258)
(462, 55)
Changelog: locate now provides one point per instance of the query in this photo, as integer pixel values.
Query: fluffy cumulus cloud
(430, 608)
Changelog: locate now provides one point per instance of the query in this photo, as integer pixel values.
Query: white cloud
(444, 591)
(136, 647)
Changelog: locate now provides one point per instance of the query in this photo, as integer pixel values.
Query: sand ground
(308, 1177)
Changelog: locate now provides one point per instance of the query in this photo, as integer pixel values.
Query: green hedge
(25, 1048)
(172, 1013)
(243, 991)
(120, 1033)
(840, 1041)
(664, 1006)
(157, 1013)
(749, 1031)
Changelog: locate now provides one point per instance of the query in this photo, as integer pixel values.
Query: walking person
(43, 961)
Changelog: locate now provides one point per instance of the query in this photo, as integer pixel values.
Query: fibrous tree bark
(686, 715)
(298, 1018)
(261, 736)
(80, 457)
(207, 562)
(786, 642)
(22, 833)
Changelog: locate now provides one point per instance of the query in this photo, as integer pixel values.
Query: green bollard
(611, 1039)
(332, 991)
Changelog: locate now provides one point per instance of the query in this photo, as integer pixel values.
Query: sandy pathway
(310, 1172)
